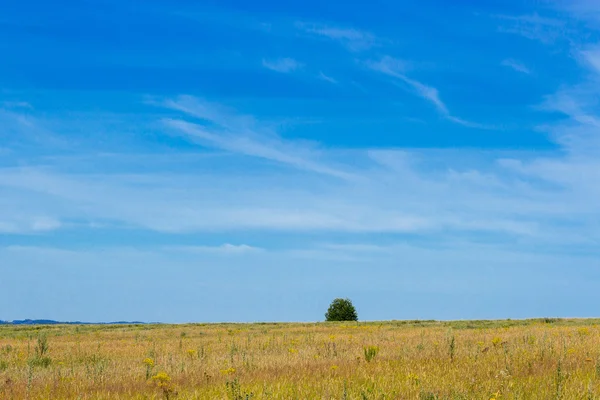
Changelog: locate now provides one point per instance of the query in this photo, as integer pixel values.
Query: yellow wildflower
(413, 378)
(228, 371)
(149, 362)
(192, 353)
(162, 379)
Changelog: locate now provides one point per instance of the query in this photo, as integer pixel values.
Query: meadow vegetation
(425, 360)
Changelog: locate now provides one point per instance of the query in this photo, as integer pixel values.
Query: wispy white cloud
(575, 102)
(282, 65)
(282, 185)
(352, 39)
(17, 104)
(469, 124)
(588, 10)
(534, 27)
(396, 68)
(427, 92)
(21, 224)
(579, 102)
(45, 224)
(243, 135)
(18, 126)
(516, 65)
(226, 249)
(590, 58)
(327, 78)
(378, 202)
(356, 247)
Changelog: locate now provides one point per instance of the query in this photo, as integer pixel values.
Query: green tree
(341, 310)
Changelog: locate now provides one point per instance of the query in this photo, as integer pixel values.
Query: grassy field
(533, 359)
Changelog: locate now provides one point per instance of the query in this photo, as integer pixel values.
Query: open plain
(531, 359)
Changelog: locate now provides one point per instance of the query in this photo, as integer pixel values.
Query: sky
(206, 161)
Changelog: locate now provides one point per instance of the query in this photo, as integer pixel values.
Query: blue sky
(249, 161)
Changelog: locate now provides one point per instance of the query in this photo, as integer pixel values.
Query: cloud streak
(533, 27)
(396, 69)
(327, 78)
(353, 39)
(516, 65)
(308, 188)
(282, 65)
(224, 249)
(243, 135)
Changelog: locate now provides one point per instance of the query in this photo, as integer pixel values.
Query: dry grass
(408, 360)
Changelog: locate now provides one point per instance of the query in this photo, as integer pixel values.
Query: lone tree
(341, 310)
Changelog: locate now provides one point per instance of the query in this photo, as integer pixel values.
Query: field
(533, 359)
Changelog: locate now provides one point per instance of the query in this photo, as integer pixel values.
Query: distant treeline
(52, 322)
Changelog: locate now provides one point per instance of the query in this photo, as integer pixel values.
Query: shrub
(43, 362)
(370, 352)
(40, 359)
(235, 392)
(42, 346)
(341, 310)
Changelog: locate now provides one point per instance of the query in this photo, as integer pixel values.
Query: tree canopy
(341, 310)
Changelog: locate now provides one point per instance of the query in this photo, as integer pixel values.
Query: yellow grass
(533, 359)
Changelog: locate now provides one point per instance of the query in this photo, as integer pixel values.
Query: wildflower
(163, 382)
(161, 379)
(496, 341)
(334, 367)
(293, 351)
(228, 371)
(192, 353)
(413, 378)
(370, 352)
(148, 362)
